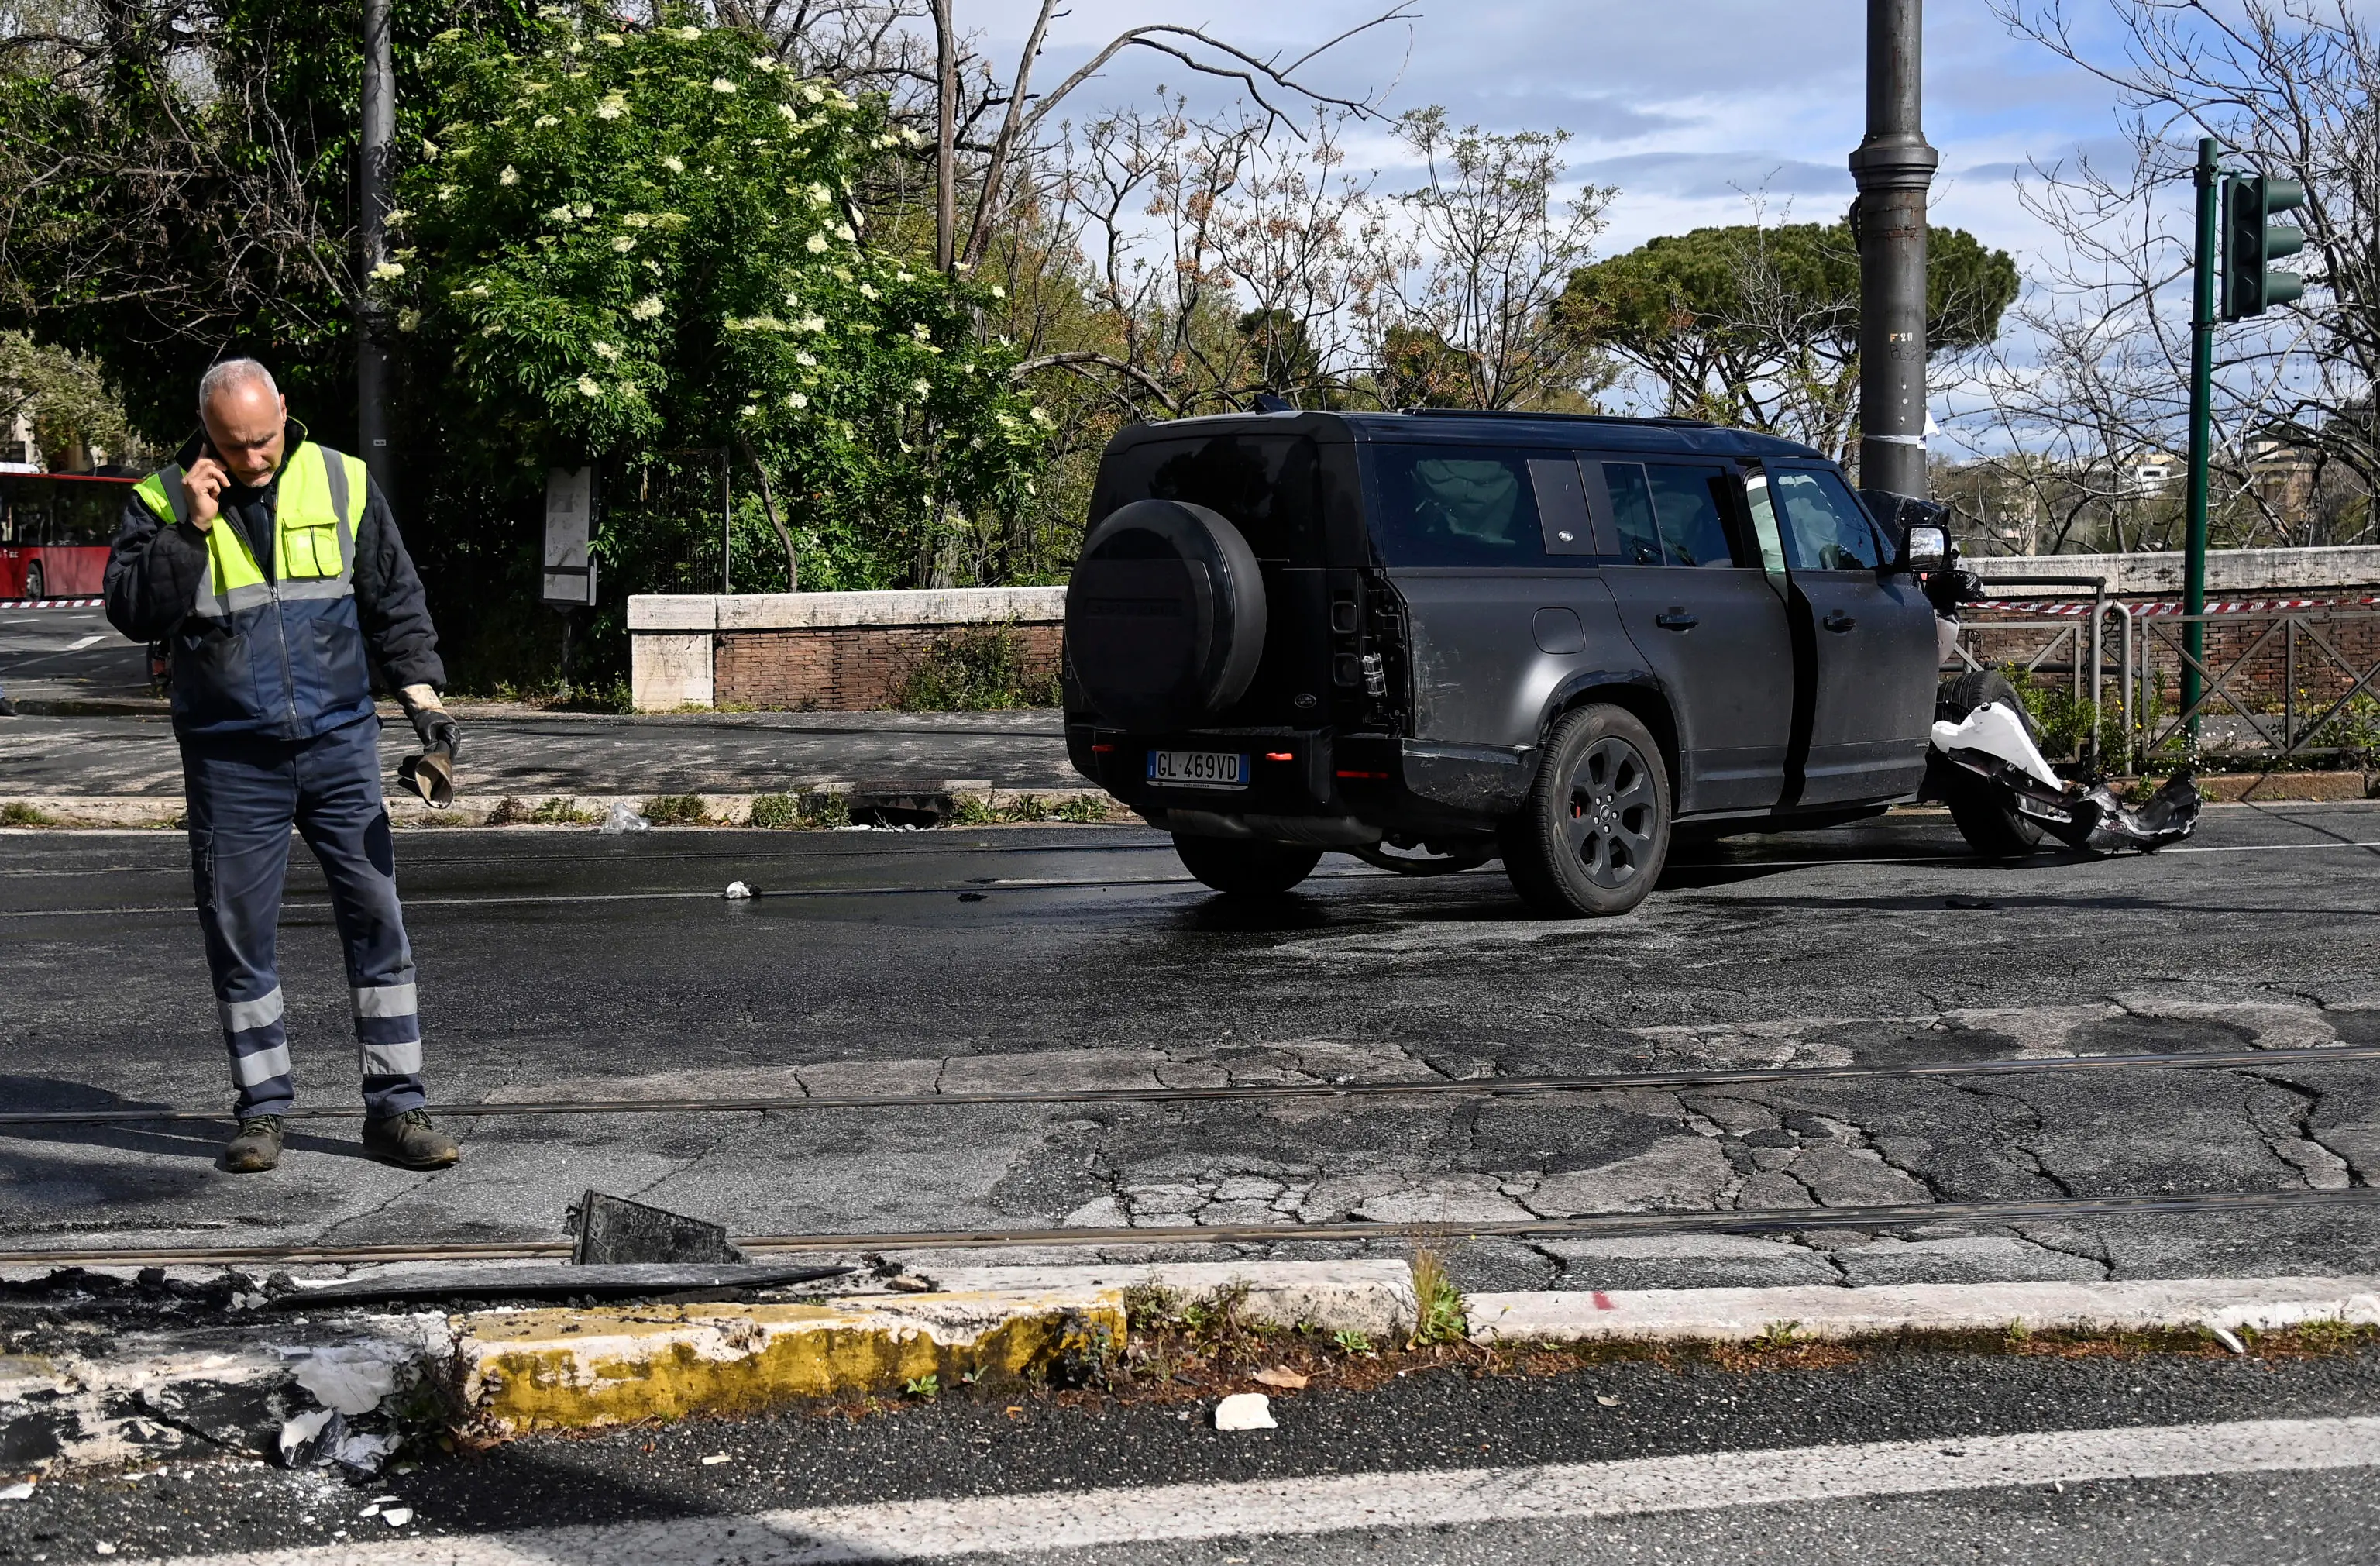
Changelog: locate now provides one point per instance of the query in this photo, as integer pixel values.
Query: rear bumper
(1346, 787)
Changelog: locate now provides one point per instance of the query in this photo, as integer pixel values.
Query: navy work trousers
(244, 795)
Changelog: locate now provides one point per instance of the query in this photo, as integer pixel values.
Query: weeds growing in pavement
(675, 810)
(1347, 1341)
(925, 1388)
(1438, 1303)
(979, 810)
(16, 813)
(797, 812)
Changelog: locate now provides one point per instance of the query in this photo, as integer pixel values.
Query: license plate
(1199, 769)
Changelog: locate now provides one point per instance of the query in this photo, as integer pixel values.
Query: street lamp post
(1893, 168)
(372, 327)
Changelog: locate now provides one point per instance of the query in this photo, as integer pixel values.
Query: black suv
(1430, 638)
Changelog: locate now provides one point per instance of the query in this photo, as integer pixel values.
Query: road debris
(612, 1229)
(304, 1440)
(1244, 1411)
(715, 1458)
(1279, 1375)
(737, 891)
(363, 1452)
(350, 1379)
(1606, 1400)
(21, 1490)
(397, 1516)
(2228, 1339)
(1992, 743)
(623, 818)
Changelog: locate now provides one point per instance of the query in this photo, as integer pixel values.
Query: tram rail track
(1466, 1087)
(1770, 1220)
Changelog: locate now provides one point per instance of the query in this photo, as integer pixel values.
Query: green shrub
(775, 812)
(675, 810)
(16, 813)
(797, 812)
(976, 669)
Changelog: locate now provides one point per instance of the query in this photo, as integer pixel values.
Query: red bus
(56, 529)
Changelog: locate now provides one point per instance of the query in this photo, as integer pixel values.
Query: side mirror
(1924, 549)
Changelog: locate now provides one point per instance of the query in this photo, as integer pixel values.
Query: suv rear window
(1267, 486)
(1455, 506)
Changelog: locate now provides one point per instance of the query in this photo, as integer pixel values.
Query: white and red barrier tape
(2232, 606)
(52, 602)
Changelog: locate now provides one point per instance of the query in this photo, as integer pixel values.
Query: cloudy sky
(1689, 107)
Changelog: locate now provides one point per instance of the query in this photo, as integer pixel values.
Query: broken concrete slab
(617, 1231)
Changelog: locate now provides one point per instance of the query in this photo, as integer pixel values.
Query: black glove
(438, 729)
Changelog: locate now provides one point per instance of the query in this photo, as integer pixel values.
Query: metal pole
(371, 325)
(1893, 168)
(726, 526)
(2202, 419)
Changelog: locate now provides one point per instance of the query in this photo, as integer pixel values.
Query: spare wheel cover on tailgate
(1165, 616)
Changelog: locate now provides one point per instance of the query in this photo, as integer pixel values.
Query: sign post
(569, 571)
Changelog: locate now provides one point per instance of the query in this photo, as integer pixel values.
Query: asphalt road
(67, 655)
(563, 965)
(2107, 1459)
(83, 684)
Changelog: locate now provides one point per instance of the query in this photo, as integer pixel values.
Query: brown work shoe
(256, 1146)
(410, 1141)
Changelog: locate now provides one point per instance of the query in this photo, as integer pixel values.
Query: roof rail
(1669, 421)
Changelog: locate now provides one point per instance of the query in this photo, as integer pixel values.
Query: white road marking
(79, 646)
(912, 1530)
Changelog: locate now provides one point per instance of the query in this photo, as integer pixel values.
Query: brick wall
(821, 652)
(840, 668)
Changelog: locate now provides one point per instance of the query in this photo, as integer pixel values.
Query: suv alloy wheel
(1595, 831)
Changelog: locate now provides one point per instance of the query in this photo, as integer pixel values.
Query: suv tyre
(1595, 831)
(1241, 868)
(1165, 616)
(1992, 826)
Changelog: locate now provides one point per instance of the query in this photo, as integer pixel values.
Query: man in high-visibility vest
(273, 569)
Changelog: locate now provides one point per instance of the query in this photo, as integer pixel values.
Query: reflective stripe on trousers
(244, 797)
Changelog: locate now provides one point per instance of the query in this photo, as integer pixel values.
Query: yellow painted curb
(536, 1369)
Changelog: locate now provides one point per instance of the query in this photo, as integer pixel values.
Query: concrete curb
(1738, 1315)
(1374, 1298)
(1008, 806)
(537, 1369)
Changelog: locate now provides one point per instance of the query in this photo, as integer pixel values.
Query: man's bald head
(243, 414)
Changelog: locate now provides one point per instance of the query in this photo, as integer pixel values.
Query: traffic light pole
(2202, 419)
(1893, 166)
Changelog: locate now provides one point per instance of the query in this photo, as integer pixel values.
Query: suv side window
(1668, 513)
(1455, 506)
(1826, 528)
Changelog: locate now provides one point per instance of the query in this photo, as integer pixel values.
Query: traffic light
(2251, 238)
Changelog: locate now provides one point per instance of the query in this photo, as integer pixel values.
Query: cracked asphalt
(563, 965)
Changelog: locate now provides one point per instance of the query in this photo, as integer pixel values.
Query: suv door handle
(1839, 621)
(1677, 620)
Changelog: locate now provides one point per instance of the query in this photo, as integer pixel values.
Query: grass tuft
(16, 813)
(1438, 1303)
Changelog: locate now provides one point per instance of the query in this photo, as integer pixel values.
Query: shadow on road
(200, 1140)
